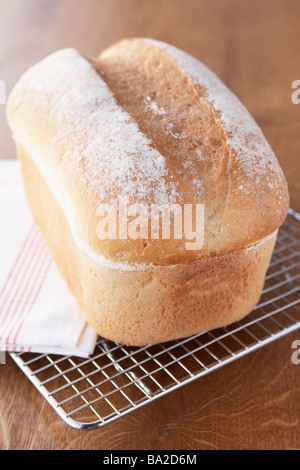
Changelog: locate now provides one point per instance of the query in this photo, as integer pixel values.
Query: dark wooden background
(254, 46)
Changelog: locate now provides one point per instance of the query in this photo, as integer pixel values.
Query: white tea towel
(37, 312)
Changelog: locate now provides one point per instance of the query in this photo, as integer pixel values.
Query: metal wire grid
(115, 380)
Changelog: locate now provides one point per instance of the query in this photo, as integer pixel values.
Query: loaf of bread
(147, 124)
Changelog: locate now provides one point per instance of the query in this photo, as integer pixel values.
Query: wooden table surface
(254, 46)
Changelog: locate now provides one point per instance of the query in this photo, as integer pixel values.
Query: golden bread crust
(147, 122)
(156, 304)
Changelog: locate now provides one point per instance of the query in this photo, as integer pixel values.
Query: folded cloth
(37, 312)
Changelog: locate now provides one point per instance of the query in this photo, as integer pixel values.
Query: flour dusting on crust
(107, 151)
(253, 154)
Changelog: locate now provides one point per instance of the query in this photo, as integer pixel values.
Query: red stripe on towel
(43, 275)
(29, 287)
(21, 275)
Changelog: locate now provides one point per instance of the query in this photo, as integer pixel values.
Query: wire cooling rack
(115, 380)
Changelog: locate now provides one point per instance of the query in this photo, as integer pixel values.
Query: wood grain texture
(253, 46)
(252, 403)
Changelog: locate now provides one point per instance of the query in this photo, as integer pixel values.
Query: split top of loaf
(147, 123)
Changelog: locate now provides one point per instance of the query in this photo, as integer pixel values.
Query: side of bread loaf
(147, 123)
(149, 304)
